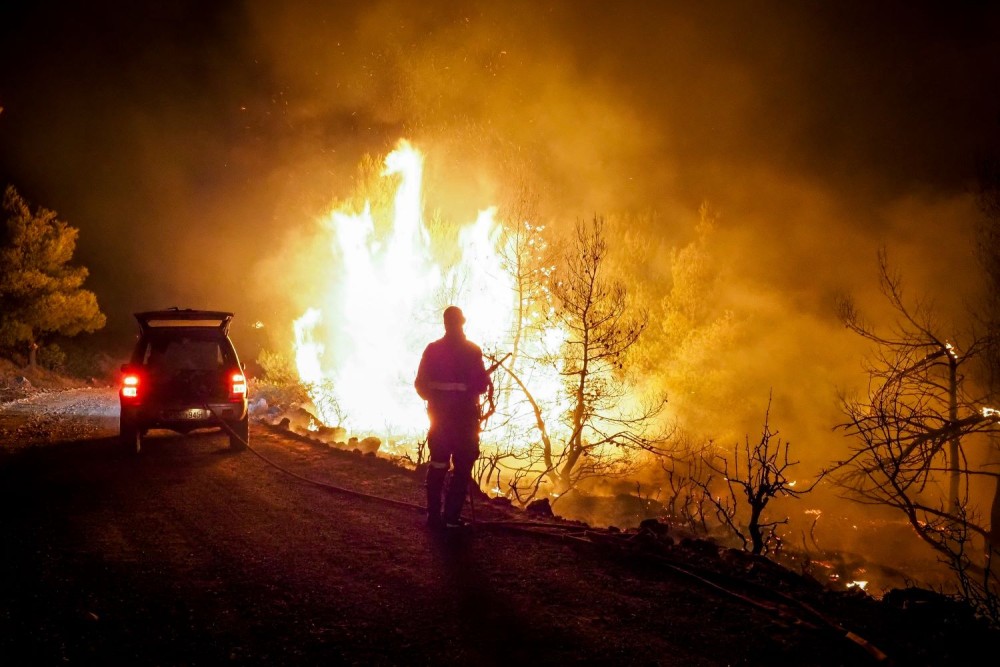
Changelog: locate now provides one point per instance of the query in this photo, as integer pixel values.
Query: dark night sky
(188, 142)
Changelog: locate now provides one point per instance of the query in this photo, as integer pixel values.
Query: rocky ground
(294, 553)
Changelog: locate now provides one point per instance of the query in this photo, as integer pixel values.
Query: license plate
(190, 413)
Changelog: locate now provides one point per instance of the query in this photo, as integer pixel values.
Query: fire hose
(344, 490)
(325, 485)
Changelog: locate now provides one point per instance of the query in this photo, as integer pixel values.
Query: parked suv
(184, 375)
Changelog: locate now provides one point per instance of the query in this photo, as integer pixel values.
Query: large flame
(358, 351)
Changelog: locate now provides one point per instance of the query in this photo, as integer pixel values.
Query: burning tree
(40, 294)
(913, 431)
(582, 325)
(601, 329)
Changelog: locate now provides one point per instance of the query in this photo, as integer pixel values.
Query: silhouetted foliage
(754, 475)
(915, 431)
(40, 293)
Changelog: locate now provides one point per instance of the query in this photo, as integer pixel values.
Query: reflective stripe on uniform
(447, 386)
(439, 464)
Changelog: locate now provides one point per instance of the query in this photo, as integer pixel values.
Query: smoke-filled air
(741, 178)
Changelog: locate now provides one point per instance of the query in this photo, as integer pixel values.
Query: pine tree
(40, 293)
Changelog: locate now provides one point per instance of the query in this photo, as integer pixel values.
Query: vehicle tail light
(238, 385)
(130, 386)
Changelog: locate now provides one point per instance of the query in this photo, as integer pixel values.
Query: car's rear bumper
(183, 417)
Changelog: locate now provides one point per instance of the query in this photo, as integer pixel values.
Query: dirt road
(55, 416)
(189, 554)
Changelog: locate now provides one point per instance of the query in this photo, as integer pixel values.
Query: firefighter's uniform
(451, 378)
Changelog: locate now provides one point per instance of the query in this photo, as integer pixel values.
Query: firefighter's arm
(480, 382)
(421, 384)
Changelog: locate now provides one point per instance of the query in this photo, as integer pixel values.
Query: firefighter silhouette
(451, 378)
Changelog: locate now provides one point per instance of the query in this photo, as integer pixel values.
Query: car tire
(240, 435)
(130, 438)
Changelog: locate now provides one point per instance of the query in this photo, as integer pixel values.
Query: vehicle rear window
(185, 353)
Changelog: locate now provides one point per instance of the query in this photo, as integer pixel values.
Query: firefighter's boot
(458, 487)
(436, 473)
